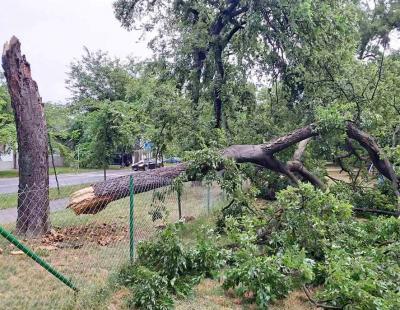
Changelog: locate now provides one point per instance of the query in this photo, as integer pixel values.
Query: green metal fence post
(208, 198)
(179, 193)
(131, 221)
(11, 238)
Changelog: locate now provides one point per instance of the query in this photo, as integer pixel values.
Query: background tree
(104, 134)
(8, 135)
(96, 76)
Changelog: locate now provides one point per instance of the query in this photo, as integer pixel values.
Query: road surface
(10, 185)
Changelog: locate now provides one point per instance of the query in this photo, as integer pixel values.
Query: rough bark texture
(95, 198)
(33, 203)
(375, 153)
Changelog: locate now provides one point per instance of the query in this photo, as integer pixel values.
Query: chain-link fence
(84, 248)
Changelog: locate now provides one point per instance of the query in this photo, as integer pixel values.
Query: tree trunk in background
(14, 153)
(33, 203)
(218, 84)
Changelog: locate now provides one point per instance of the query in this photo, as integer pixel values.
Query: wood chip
(47, 247)
(17, 253)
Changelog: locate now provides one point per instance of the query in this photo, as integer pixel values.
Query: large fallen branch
(375, 153)
(93, 199)
(96, 197)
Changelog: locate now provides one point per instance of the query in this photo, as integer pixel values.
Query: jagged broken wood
(93, 199)
(33, 205)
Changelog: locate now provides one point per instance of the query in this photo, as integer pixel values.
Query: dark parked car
(145, 164)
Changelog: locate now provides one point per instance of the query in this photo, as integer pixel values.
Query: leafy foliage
(148, 287)
(166, 266)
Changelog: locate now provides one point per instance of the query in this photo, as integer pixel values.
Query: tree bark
(376, 155)
(96, 197)
(33, 203)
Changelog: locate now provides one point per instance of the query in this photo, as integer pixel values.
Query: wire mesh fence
(85, 248)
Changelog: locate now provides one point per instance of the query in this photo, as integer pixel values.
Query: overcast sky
(53, 33)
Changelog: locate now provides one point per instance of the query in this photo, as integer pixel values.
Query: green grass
(10, 200)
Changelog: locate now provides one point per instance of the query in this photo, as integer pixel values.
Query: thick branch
(95, 198)
(378, 159)
(298, 167)
(290, 139)
(369, 144)
(298, 154)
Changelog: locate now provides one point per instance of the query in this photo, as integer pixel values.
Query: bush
(206, 259)
(263, 279)
(164, 254)
(149, 289)
(166, 266)
(382, 197)
(367, 279)
(310, 219)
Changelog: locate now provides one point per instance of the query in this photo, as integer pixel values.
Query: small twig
(315, 303)
(228, 205)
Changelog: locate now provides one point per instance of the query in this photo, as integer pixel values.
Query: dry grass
(88, 249)
(209, 295)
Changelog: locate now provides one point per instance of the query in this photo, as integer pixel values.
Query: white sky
(53, 33)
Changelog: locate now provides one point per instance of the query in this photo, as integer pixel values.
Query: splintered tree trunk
(33, 192)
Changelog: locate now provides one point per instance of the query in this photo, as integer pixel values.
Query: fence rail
(86, 249)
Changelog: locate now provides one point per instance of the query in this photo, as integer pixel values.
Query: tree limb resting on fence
(95, 198)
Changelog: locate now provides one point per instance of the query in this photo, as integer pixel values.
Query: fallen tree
(96, 197)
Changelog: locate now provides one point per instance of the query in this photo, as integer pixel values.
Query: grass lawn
(88, 249)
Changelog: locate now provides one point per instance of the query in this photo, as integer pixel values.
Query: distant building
(142, 150)
(9, 159)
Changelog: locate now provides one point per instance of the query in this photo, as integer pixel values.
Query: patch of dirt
(295, 301)
(118, 299)
(76, 236)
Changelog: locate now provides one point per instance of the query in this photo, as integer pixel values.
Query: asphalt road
(10, 185)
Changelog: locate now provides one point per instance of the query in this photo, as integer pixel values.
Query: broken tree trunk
(33, 202)
(95, 198)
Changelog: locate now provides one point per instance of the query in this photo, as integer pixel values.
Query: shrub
(149, 289)
(366, 279)
(206, 258)
(382, 197)
(164, 254)
(165, 265)
(310, 219)
(263, 279)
